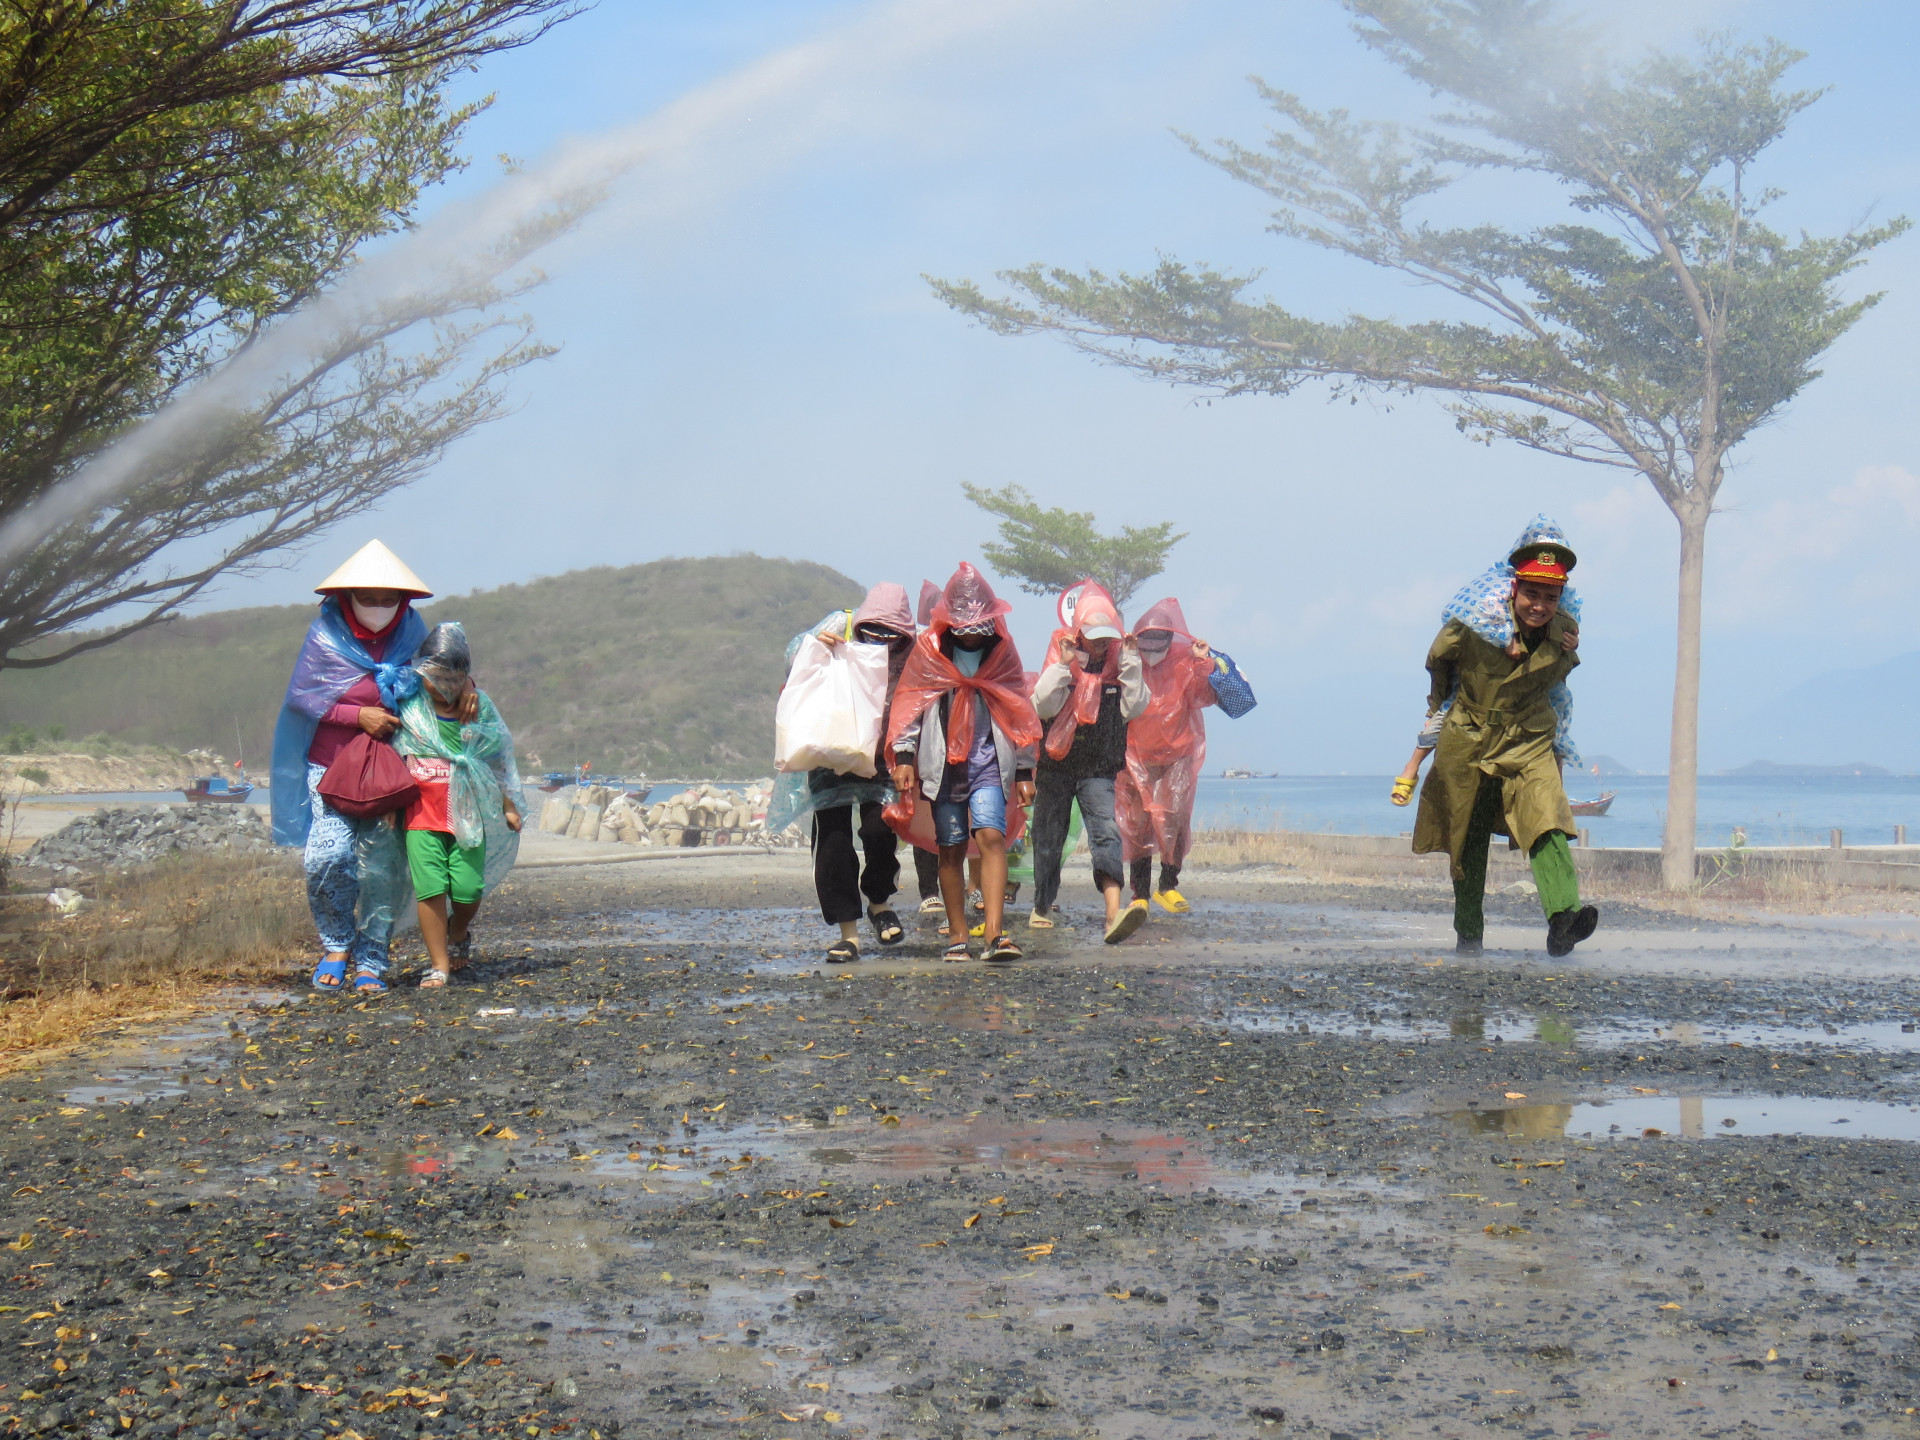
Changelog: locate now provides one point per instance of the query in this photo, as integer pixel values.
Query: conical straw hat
(373, 567)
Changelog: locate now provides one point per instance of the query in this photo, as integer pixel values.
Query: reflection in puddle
(1696, 1117)
(1563, 1032)
(138, 1070)
(1079, 1149)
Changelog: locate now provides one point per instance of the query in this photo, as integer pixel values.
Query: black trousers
(838, 877)
(1142, 875)
(1054, 794)
(926, 870)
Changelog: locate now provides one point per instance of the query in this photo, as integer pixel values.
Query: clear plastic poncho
(795, 795)
(1485, 606)
(332, 660)
(485, 775)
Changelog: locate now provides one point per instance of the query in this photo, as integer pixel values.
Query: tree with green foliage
(176, 177)
(1650, 333)
(1049, 550)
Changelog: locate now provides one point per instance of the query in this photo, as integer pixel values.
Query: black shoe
(1463, 946)
(1569, 928)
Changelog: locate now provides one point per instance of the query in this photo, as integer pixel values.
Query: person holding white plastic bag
(845, 804)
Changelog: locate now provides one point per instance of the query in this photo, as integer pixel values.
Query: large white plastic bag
(832, 709)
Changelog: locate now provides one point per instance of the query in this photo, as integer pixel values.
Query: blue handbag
(1230, 687)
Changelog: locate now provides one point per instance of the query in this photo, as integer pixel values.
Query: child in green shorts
(464, 828)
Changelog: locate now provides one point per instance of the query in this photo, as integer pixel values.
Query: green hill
(669, 668)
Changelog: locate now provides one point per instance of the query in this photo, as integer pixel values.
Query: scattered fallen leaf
(971, 1221)
(1514, 1095)
(505, 1132)
(835, 1222)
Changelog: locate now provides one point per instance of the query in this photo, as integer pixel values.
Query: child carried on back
(463, 833)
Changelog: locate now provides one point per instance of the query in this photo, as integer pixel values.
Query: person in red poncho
(961, 732)
(1088, 693)
(1166, 749)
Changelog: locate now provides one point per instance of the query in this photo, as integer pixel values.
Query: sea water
(1771, 810)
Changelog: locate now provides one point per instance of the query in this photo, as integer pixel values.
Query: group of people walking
(396, 774)
(976, 752)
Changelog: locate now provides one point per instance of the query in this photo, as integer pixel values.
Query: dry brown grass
(1238, 849)
(150, 943)
(1777, 887)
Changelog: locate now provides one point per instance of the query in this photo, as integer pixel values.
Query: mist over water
(712, 139)
(1771, 810)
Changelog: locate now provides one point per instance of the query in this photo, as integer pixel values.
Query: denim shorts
(984, 809)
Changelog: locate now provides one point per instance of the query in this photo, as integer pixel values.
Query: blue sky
(751, 361)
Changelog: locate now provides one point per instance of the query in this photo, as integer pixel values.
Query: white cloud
(1804, 556)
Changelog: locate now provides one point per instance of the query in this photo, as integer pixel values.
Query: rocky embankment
(122, 837)
(702, 815)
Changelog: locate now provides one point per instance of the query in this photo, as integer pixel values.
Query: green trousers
(1553, 871)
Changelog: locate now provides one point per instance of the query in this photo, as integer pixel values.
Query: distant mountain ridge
(1834, 719)
(671, 667)
(1764, 768)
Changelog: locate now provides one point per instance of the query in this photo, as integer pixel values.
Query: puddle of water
(1611, 1033)
(1695, 1117)
(140, 1069)
(1080, 1149)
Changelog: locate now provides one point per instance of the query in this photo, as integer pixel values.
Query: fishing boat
(1594, 807)
(217, 790)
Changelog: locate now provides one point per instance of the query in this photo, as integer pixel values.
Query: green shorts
(441, 867)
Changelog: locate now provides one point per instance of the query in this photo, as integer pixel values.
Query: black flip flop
(1003, 950)
(843, 952)
(887, 926)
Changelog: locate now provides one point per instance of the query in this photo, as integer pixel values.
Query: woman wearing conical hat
(1497, 690)
(350, 678)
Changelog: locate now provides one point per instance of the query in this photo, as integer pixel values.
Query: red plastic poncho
(1166, 747)
(1092, 608)
(929, 597)
(1000, 684)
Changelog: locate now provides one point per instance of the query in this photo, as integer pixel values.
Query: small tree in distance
(1651, 333)
(1048, 549)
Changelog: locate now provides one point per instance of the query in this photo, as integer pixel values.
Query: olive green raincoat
(1500, 726)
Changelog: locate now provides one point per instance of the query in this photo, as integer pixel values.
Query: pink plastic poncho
(1000, 684)
(1093, 607)
(1166, 747)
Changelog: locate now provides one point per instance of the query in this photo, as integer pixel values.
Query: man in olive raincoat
(1496, 670)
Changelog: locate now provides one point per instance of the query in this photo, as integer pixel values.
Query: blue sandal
(370, 986)
(330, 975)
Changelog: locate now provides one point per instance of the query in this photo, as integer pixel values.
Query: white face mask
(375, 617)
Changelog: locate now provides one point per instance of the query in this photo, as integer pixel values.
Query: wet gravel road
(1282, 1167)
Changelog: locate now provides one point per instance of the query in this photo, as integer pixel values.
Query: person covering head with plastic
(1088, 693)
(849, 806)
(463, 832)
(961, 732)
(1166, 751)
(350, 678)
(1498, 706)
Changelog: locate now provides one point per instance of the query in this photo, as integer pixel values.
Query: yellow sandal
(1402, 790)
